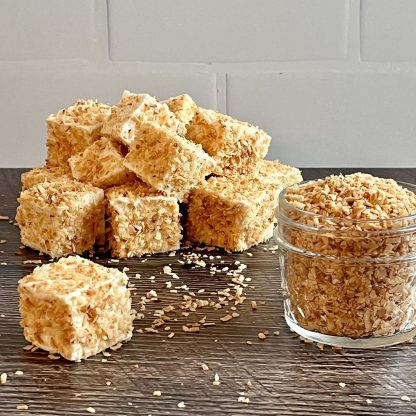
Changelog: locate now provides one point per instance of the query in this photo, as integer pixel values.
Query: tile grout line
(101, 52)
(353, 41)
(221, 92)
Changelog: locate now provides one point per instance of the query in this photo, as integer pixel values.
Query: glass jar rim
(287, 206)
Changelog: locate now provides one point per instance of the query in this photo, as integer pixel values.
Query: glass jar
(348, 283)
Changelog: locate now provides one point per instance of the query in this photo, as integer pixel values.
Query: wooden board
(288, 377)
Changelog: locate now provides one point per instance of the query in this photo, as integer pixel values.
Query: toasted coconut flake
(243, 399)
(226, 318)
(22, 407)
(3, 378)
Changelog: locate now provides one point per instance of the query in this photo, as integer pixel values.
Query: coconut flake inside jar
(348, 259)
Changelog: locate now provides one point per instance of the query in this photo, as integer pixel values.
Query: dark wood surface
(288, 377)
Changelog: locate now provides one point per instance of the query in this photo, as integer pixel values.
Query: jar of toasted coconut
(347, 249)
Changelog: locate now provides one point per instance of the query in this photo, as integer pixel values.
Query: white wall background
(333, 81)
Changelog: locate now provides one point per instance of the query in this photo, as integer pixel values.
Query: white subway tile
(46, 29)
(388, 30)
(227, 31)
(331, 119)
(30, 94)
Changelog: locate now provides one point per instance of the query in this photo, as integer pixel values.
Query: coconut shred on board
(343, 299)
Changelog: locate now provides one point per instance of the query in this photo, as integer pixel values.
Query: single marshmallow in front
(75, 308)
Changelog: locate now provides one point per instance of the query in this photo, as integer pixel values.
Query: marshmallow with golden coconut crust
(141, 221)
(61, 218)
(238, 212)
(44, 174)
(183, 106)
(135, 109)
(75, 308)
(273, 173)
(235, 145)
(72, 129)
(168, 162)
(101, 164)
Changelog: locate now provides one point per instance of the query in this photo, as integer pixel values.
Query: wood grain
(288, 377)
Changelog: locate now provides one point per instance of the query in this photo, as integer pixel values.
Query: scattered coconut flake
(262, 336)
(22, 407)
(19, 373)
(3, 378)
(242, 399)
(216, 381)
(32, 262)
(369, 401)
(151, 294)
(226, 318)
(181, 405)
(405, 398)
(253, 305)
(342, 384)
(157, 393)
(204, 367)
(116, 347)
(90, 410)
